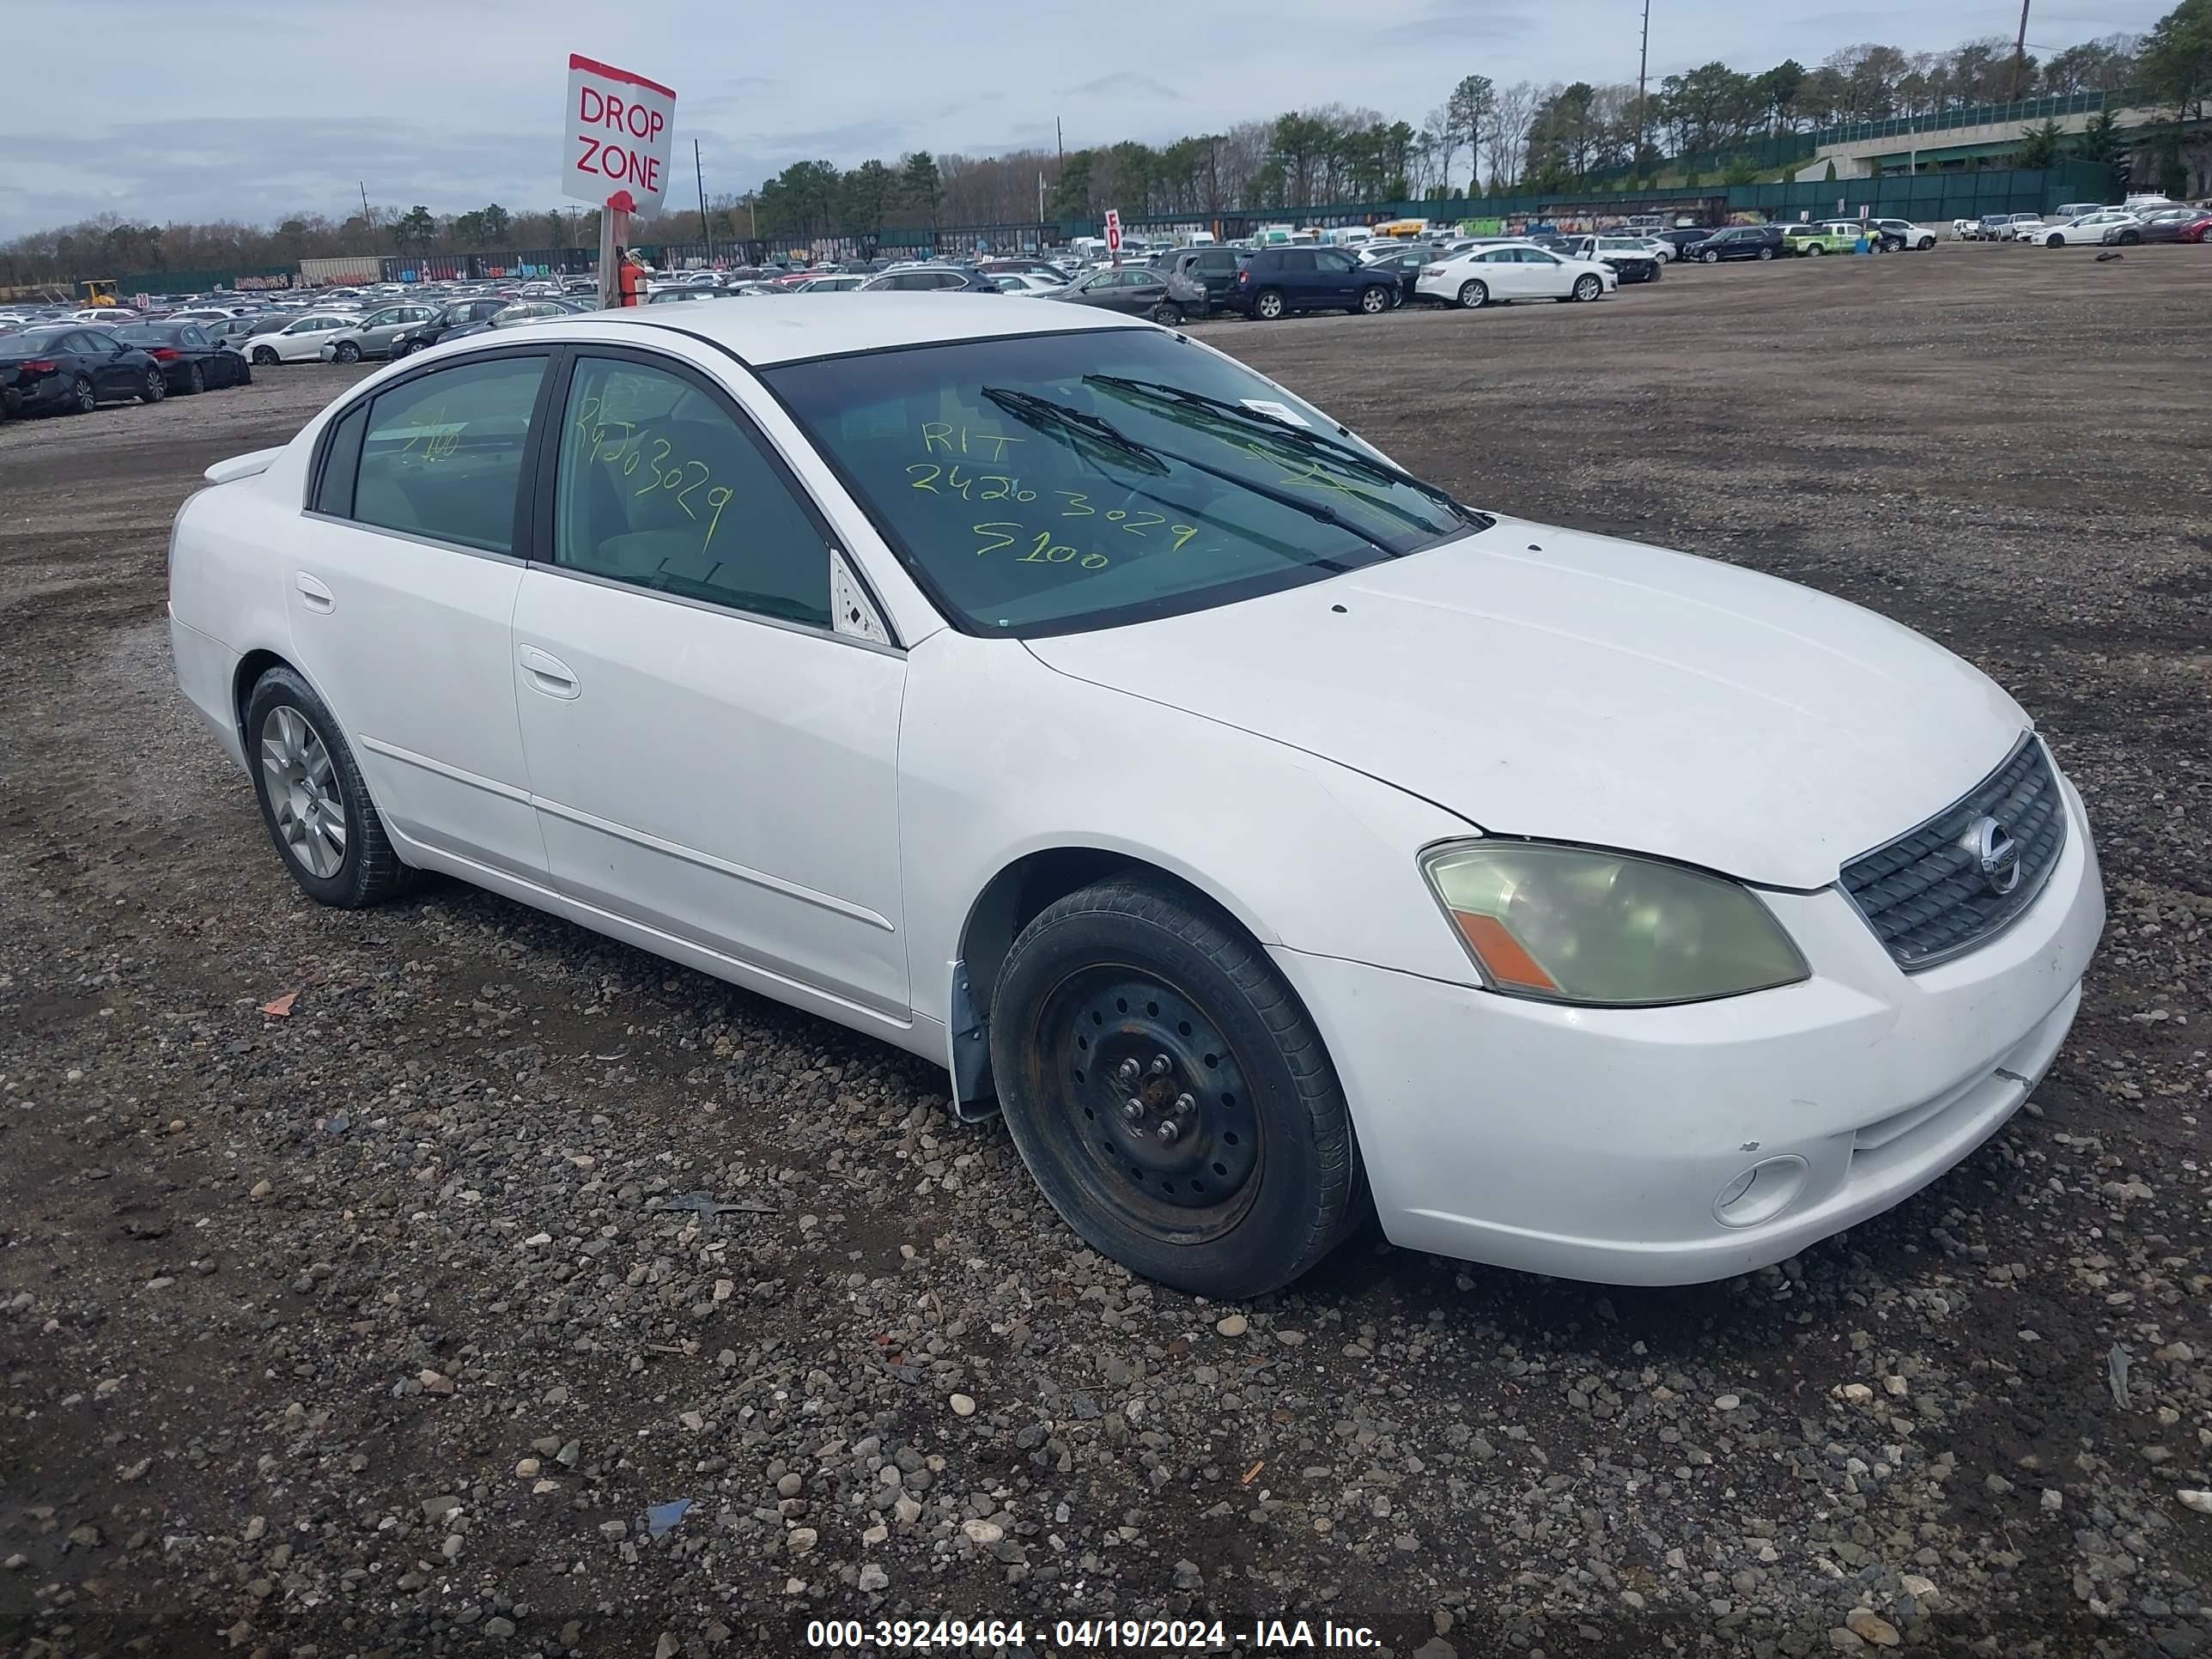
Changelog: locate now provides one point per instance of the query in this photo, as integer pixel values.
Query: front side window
(1054, 482)
(442, 455)
(660, 485)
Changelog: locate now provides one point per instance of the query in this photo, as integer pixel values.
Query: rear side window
(1297, 260)
(342, 465)
(441, 456)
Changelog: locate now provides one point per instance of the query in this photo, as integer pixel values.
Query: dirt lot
(372, 1329)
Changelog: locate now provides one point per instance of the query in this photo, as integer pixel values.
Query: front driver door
(1542, 276)
(710, 759)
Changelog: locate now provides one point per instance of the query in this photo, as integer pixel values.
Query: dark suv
(1739, 242)
(1274, 282)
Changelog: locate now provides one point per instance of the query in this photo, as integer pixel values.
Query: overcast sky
(251, 109)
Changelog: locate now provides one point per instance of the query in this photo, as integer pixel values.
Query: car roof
(763, 335)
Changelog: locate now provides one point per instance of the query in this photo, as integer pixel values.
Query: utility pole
(366, 223)
(706, 234)
(2019, 57)
(1642, 63)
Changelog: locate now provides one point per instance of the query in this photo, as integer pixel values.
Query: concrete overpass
(1898, 146)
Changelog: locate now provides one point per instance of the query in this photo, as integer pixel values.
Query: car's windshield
(1056, 482)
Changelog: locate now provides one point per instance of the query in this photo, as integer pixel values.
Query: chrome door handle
(312, 593)
(547, 673)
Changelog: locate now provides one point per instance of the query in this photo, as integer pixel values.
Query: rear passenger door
(401, 589)
(713, 761)
(1301, 279)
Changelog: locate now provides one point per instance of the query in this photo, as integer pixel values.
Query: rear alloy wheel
(1588, 289)
(1168, 1094)
(1473, 296)
(197, 380)
(1168, 314)
(1374, 301)
(313, 799)
(1813, 249)
(155, 387)
(1766, 253)
(83, 399)
(265, 357)
(1268, 308)
(346, 352)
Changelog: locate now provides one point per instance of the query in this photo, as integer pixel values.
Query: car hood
(1542, 683)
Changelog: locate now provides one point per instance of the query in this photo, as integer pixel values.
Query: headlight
(1566, 924)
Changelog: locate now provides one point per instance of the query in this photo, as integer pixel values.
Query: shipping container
(349, 268)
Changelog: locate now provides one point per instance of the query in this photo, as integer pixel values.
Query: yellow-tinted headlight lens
(1573, 925)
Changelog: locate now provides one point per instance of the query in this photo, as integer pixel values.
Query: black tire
(1712, 258)
(196, 381)
(346, 352)
(84, 398)
(245, 374)
(156, 387)
(1813, 249)
(1766, 253)
(1168, 314)
(263, 355)
(1268, 305)
(1473, 294)
(370, 872)
(1287, 1174)
(1589, 288)
(2130, 238)
(1374, 301)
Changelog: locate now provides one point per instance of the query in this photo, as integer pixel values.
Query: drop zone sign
(615, 136)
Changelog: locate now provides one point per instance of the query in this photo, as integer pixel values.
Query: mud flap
(973, 1096)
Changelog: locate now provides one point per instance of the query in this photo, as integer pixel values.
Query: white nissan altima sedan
(1259, 827)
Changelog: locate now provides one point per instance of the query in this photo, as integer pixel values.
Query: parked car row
(74, 367)
(2138, 220)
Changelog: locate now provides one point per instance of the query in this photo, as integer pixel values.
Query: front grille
(1924, 894)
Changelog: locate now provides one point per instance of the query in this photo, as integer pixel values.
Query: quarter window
(442, 455)
(660, 485)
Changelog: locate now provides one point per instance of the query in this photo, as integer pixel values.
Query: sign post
(1114, 233)
(615, 136)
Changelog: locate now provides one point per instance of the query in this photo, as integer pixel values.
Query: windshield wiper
(1356, 459)
(1077, 424)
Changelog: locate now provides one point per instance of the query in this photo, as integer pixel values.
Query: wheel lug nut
(1169, 1129)
(1126, 1071)
(1162, 1065)
(1184, 1103)
(1132, 1109)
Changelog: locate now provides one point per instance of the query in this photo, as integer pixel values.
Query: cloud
(1123, 83)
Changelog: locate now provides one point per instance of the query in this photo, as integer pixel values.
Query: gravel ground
(380, 1325)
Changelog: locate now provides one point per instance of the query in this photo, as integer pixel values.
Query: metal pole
(1643, 120)
(366, 223)
(2019, 57)
(706, 235)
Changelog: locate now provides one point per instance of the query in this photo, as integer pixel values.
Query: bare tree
(1506, 143)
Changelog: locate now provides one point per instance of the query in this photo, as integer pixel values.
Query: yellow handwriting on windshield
(944, 438)
(1311, 472)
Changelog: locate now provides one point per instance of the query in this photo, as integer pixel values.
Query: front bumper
(1597, 1143)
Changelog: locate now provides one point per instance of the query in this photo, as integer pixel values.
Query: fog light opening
(1760, 1193)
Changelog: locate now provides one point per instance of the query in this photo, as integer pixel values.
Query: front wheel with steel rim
(154, 388)
(1169, 1093)
(1269, 306)
(1588, 289)
(1473, 296)
(312, 797)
